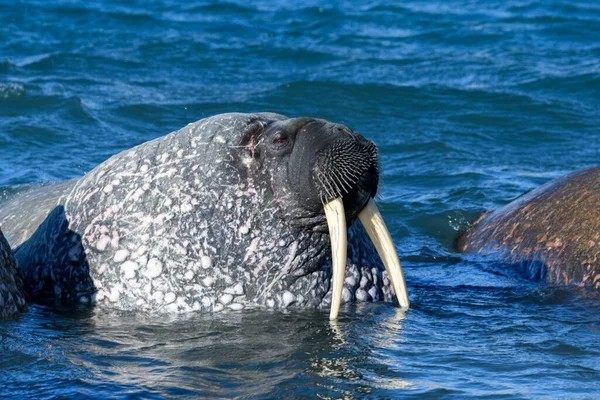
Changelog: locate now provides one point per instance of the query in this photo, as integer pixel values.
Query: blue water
(471, 104)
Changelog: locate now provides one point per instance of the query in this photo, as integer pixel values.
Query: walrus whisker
(344, 187)
(349, 184)
(330, 186)
(329, 191)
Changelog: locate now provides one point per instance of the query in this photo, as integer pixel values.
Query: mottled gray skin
(187, 222)
(553, 231)
(12, 293)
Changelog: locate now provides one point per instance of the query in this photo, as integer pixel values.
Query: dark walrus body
(225, 213)
(12, 293)
(556, 227)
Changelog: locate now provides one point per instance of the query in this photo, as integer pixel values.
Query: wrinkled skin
(12, 294)
(552, 231)
(220, 214)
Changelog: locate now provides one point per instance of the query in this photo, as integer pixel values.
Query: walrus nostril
(346, 133)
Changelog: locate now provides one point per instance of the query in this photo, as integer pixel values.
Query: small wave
(5, 66)
(130, 16)
(560, 12)
(444, 226)
(65, 61)
(11, 90)
(38, 61)
(382, 91)
(585, 83)
(38, 108)
(209, 12)
(542, 19)
(407, 95)
(387, 8)
(220, 8)
(448, 9)
(124, 13)
(37, 102)
(143, 111)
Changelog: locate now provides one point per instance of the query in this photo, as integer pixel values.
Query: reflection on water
(384, 332)
(255, 353)
(448, 343)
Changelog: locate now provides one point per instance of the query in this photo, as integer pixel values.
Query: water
(471, 103)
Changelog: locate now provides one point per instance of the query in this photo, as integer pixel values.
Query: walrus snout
(345, 174)
(348, 168)
(335, 162)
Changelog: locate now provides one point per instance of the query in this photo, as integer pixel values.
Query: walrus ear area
(253, 137)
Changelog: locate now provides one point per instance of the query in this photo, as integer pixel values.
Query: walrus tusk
(379, 234)
(336, 221)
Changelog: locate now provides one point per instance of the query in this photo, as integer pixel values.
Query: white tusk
(336, 221)
(379, 234)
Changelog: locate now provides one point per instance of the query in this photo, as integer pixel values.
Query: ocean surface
(471, 103)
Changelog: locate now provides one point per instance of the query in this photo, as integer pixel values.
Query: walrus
(12, 293)
(552, 231)
(231, 211)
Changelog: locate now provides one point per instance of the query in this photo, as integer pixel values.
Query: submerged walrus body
(553, 231)
(232, 211)
(12, 293)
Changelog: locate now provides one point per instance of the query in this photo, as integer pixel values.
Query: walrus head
(324, 172)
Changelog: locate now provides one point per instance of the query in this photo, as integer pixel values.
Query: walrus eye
(280, 138)
(279, 142)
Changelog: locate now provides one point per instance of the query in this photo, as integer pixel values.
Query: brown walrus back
(557, 224)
